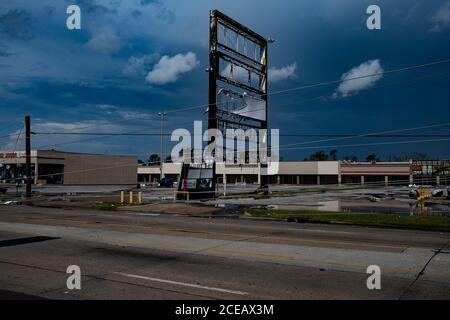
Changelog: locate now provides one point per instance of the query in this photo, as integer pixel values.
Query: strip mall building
(68, 168)
(322, 172)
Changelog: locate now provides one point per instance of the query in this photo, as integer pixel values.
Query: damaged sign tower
(237, 79)
(237, 97)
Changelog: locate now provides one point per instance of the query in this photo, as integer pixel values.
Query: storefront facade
(68, 168)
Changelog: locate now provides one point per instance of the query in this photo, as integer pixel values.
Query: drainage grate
(20, 241)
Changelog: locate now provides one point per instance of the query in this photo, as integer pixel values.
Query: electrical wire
(326, 83)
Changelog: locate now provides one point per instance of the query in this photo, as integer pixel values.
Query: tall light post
(161, 174)
(28, 155)
(263, 180)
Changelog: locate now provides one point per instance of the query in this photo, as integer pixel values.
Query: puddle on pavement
(228, 206)
(363, 206)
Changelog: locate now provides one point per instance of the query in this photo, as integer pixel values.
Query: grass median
(363, 219)
(112, 206)
(108, 206)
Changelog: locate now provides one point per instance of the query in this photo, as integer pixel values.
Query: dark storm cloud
(164, 13)
(16, 24)
(4, 54)
(147, 2)
(136, 13)
(93, 7)
(121, 41)
(49, 11)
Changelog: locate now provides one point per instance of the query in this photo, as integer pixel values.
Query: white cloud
(105, 41)
(284, 73)
(125, 114)
(349, 87)
(169, 69)
(441, 18)
(139, 66)
(132, 115)
(79, 126)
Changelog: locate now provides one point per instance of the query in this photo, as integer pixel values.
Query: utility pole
(28, 155)
(263, 179)
(161, 173)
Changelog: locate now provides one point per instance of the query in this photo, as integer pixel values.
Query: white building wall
(299, 168)
(309, 168)
(328, 168)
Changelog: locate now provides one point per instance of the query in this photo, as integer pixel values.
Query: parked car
(165, 183)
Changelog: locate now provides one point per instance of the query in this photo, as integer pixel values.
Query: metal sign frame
(219, 51)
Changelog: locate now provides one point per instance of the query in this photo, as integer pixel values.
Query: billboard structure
(237, 95)
(237, 77)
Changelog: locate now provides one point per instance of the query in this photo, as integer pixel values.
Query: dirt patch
(65, 201)
(174, 208)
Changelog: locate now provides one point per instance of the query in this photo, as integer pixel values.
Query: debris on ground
(10, 202)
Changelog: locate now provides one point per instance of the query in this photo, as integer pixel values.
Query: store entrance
(14, 172)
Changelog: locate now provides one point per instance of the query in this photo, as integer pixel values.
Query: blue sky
(134, 58)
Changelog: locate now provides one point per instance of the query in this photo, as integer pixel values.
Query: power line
(91, 139)
(371, 136)
(287, 90)
(17, 140)
(128, 165)
(292, 144)
(281, 135)
(7, 127)
(108, 123)
(324, 98)
(367, 144)
(440, 125)
(276, 92)
(321, 84)
(9, 135)
(326, 83)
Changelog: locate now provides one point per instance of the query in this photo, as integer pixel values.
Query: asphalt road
(145, 256)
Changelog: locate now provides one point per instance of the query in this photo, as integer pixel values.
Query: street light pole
(263, 179)
(28, 155)
(161, 174)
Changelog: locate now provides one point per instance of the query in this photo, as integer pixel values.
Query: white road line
(181, 283)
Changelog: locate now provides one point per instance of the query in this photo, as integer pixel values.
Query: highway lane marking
(191, 285)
